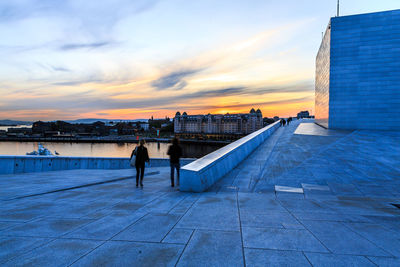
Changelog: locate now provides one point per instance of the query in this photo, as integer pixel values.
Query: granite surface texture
(305, 197)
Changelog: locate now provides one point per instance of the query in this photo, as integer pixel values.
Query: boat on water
(42, 151)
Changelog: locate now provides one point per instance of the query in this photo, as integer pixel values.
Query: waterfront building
(303, 114)
(218, 124)
(20, 131)
(144, 126)
(357, 83)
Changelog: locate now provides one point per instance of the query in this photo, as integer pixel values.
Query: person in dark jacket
(174, 152)
(142, 156)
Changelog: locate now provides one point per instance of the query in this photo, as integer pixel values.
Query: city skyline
(70, 60)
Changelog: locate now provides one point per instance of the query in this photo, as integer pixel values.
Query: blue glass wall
(364, 72)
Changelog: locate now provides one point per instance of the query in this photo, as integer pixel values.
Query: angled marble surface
(342, 217)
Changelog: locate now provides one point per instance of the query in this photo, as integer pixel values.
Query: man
(142, 156)
(174, 152)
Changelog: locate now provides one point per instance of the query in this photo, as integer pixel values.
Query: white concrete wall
(199, 175)
(22, 164)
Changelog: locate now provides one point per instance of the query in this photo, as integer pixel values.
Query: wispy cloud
(52, 48)
(84, 45)
(174, 80)
(58, 68)
(16, 10)
(89, 79)
(90, 100)
(244, 105)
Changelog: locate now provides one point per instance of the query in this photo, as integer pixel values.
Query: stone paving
(306, 197)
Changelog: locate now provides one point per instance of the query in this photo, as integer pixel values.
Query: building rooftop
(307, 196)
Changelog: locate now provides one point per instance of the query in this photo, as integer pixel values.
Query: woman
(142, 156)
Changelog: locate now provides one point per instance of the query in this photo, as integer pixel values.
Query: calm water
(156, 150)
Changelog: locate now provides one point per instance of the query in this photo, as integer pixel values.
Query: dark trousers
(174, 166)
(139, 171)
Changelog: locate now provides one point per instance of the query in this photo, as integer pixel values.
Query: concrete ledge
(199, 175)
(23, 164)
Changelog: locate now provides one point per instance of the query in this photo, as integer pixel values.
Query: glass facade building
(357, 83)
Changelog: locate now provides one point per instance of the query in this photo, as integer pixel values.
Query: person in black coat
(175, 152)
(142, 156)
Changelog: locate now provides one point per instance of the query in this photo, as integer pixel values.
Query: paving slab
(263, 257)
(323, 216)
(165, 203)
(183, 206)
(281, 239)
(178, 236)
(213, 248)
(5, 225)
(385, 262)
(305, 205)
(341, 240)
(271, 219)
(107, 226)
(259, 203)
(331, 260)
(212, 212)
(151, 228)
(120, 253)
(11, 247)
(61, 252)
(386, 239)
(389, 222)
(47, 227)
(17, 216)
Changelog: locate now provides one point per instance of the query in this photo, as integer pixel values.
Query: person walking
(142, 156)
(174, 152)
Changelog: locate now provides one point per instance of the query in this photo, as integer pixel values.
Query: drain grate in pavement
(396, 205)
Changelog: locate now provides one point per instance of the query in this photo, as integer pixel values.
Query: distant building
(357, 84)
(144, 126)
(303, 114)
(233, 124)
(20, 131)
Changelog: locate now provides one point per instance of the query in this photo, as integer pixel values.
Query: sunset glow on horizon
(125, 59)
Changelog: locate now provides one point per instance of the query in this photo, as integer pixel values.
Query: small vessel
(42, 151)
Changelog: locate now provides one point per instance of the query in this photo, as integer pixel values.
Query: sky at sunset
(131, 59)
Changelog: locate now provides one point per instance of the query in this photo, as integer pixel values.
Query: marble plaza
(305, 197)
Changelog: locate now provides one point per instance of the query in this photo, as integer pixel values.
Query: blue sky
(134, 59)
